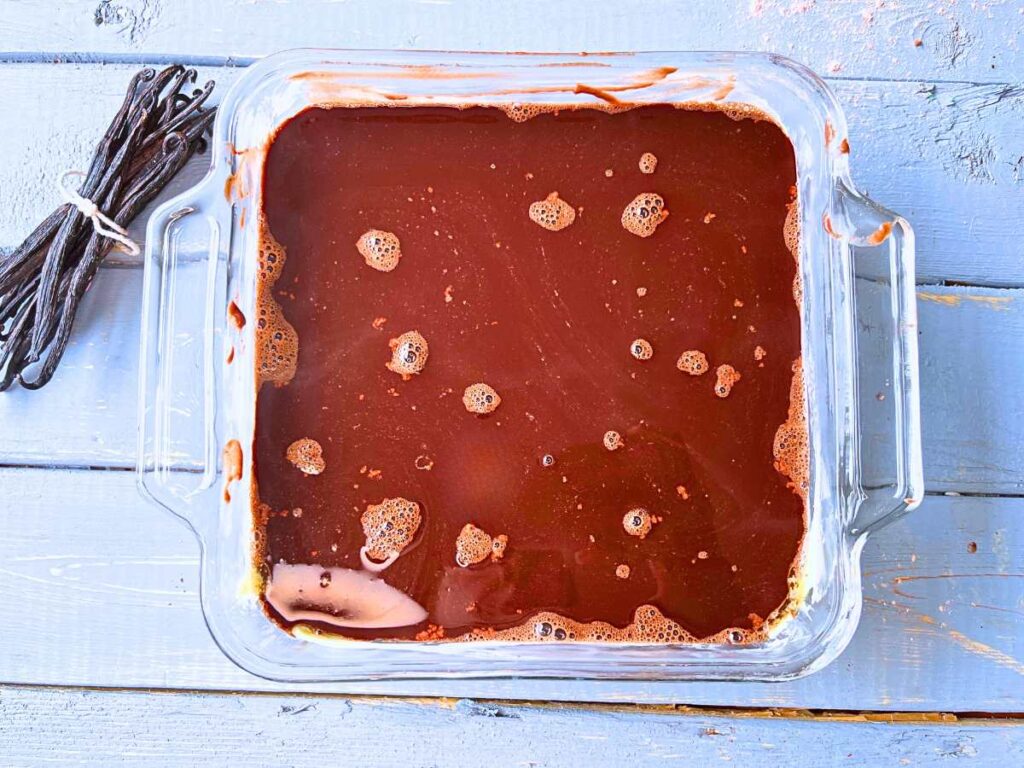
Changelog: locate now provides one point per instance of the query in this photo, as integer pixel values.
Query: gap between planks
(241, 62)
(508, 707)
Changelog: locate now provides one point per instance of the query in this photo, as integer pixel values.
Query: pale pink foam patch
(341, 597)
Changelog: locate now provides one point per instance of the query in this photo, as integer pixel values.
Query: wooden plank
(971, 41)
(945, 155)
(97, 588)
(101, 728)
(973, 421)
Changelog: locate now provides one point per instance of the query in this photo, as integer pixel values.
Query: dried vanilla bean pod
(146, 185)
(154, 133)
(40, 236)
(75, 221)
(82, 275)
(55, 259)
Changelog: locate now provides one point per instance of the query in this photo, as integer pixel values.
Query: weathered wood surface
(945, 155)
(976, 41)
(103, 728)
(100, 589)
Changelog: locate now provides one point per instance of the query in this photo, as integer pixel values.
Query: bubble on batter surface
(307, 455)
(277, 342)
(641, 349)
(408, 354)
(693, 362)
(481, 399)
(552, 213)
(622, 571)
(638, 522)
(389, 527)
(725, 378)
(381, 250)
(759, 352)
(643, 215)
(790, 449)
(613, 440)
(474, 545)
(648, 163)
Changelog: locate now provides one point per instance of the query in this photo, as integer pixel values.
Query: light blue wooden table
(104, 657)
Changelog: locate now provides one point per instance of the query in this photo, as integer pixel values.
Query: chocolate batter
(549, 315)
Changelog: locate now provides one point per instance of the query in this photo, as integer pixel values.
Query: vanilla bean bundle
(153, 134)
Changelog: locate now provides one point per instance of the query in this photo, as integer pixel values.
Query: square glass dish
(198, 386)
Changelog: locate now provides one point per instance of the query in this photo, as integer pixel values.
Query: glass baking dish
(859, 343)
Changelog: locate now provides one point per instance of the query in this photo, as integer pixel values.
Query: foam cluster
(277, 343)
(622, 571)
(307, 455)
(638, 522)
(520, 113)
(648, 162)
(381, 250)
(643, 215)
(649, 625)
(791, 236)
(231, 457)
(641, 349)
(790, 449)
(481, 399)
(390, 526)
(693, 362)
(613, 440)
(552, 213)
(475, 545)
(408, 354)
(725, 378)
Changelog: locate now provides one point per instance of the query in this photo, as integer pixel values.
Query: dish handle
(184, 272)
(887, 385)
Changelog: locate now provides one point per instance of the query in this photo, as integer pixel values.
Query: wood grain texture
(947, 156)
(99, 588)
(855, 38)
(101, 728)
(973, 420)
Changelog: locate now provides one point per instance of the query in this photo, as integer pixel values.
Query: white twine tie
(102, 223)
